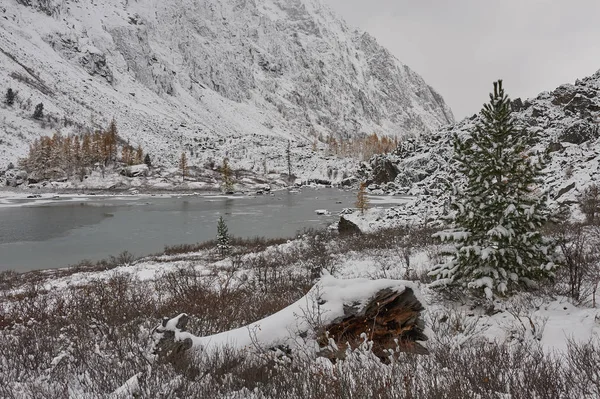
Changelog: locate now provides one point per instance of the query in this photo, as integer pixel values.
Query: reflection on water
(60, 234)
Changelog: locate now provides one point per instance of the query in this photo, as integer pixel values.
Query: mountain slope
(183, 73)
(566, 122)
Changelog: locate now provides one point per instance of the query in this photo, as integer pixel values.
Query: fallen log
(386, 312)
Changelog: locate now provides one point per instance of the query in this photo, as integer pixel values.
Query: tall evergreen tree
(223, 244)
(147, 160)
(10, 97)
(499, 212)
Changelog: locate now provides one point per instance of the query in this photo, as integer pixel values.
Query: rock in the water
(346, 227)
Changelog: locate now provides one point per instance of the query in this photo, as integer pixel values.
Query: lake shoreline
(56, 230)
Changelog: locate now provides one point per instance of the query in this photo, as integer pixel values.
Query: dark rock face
(517, 105)
(346, 227)
(563, 94)
(580, 132)
(384, 170)
(555, 146)
(565, 190)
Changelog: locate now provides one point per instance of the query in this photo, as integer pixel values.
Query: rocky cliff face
(178, 73)
(564, 121)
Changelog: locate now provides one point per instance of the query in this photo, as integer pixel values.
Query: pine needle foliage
(223, 239)
(500, 211)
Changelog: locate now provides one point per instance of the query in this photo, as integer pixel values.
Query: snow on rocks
(562, 122)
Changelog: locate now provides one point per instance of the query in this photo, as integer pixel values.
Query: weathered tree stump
(391, 320)
(166, 346)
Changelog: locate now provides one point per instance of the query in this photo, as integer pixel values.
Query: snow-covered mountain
(233, 78)
(565, 121)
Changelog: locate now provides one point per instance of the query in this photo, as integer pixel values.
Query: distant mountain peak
(173, 71)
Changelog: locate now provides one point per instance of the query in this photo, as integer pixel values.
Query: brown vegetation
(58, 156)
(361, 147)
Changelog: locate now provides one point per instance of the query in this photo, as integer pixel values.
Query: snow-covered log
(335, 314)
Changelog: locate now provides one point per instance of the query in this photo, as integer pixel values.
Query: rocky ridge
(565, 122)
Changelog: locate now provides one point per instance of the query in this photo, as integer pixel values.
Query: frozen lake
(41, 234)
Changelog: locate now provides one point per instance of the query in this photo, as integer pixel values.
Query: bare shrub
(583, 369)
(589, 203)
(578, 245)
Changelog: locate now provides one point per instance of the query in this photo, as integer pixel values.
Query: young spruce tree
(500, 210)
(223, 238)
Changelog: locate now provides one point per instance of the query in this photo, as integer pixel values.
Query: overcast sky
(461, 46)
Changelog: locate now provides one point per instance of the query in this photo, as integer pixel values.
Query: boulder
(517, 105)
(580, 132)
(15, 177)
(384, 170)
(136, 170)
(346, 227)
(555, 146)
(349, 181)
(563, 94)
(582, 105)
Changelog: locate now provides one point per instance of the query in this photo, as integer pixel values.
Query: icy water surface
(40, 236)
